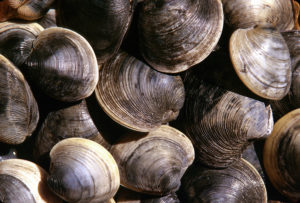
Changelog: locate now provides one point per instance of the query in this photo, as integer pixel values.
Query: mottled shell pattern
(240, 182)
(175, 35)
(81, 170)
(282, 155)
(153, 163)
(136, 96)
(24, 181)
(19, 113)
(261, 59)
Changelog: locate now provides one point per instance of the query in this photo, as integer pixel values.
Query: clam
(62, 64)
(72, 121)
(261, 59)
(175, 35)
(281, 155)
(23, 9)
(240, 182)
(246, 14)
(81, 170)
(153, 163)
(136, 96)
(102, 22)
(18, 109)
(24, 181)
(16, 40)
(48, 20)
(221, 123)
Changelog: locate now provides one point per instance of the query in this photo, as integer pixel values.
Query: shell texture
(23, 9)
(62, 64)
(136, 96)
(154, 163)
(72, 121)
(81, 170)
(49, 19)
(18, 109)
(102, 22)
(261, 59)
(24, 181)
(281, 155)
(220, 123)
(248, 13)
(175, 35)
(16, 40)
(240, 182)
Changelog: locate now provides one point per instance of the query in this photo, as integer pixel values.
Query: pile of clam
(149, 101)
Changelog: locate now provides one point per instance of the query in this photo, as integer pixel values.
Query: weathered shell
(72, 121)
(24, 181)
(102, 22)
(81, 170)
(153, 163)
(175, 35)
(62, 64)
(18, 109)
(23, 9)
(246, 14)
(129, 196)
(16, 40)
(292, 39)
(281, 155)
(49, 19)
(221, 123)
(240, 182)
(136, 96)
(262, 61)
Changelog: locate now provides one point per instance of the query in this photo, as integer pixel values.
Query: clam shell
(23, 9)
(81, 170)
(153, 163)
(220, 123)
(103, 23)
(281, 155)
(136, 96)
(261, 59)
(62, 64)
(240, 182)
(16, 40)
(19, 113)
(24, 181)
(246, 14)
(175, 35)
(72, 121)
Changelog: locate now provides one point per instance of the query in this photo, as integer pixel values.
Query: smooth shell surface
(248, 13)
(261, 59)
(24, 181)
(220, 123)
(240, 182)
(62, 64)
(72, 121)
(102, 22)
(16, 40)
(18, 109)
(81, 170)
(153, 163)
(23, 9)
(136, 96)
(281, 155)
(175, 35)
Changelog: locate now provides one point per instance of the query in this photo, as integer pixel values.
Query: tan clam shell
(261, 59)
(136, 96)
(175, 35)
(81, 170)
(19, 111)
(153, 163)
(24, 181)
(248, 13)
(281, 155)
